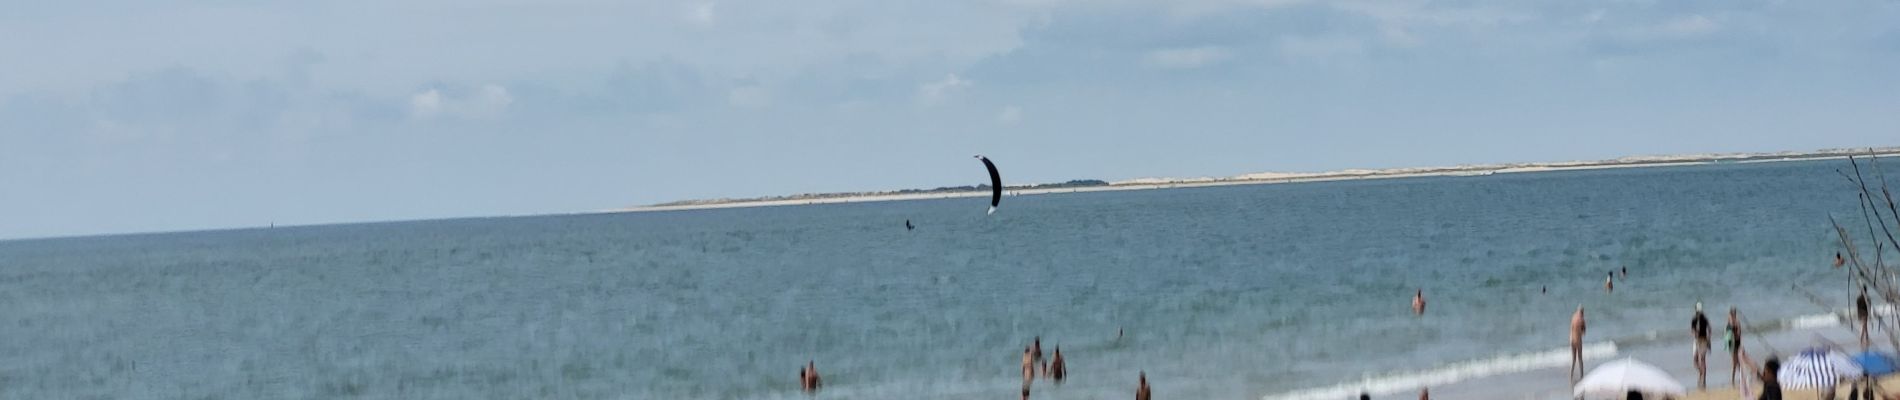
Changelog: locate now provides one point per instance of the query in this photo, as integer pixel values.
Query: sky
(141, 116)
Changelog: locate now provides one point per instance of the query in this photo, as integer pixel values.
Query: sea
(1274, 291)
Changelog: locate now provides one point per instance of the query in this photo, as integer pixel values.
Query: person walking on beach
(1699, 326)
(1862, 311)
(1732, 340)
(1142, 392)
(1418, 303)
(1576, 345)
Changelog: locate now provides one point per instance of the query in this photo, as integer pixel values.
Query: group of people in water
(1053, 368)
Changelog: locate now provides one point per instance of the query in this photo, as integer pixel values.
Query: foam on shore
(1411, 381)
(1451, 373)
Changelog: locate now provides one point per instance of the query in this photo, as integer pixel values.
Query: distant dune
(1089, 185)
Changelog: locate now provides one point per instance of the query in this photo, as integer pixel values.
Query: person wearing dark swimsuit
(1861, 309)
(1732, 340)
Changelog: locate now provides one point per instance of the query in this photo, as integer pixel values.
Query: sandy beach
(1672, 356)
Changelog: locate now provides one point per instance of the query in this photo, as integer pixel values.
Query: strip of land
(1264, 178)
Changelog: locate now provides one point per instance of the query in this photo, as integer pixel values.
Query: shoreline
(1534, 375)
(1268, 178)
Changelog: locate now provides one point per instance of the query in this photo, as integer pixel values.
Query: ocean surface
(1238, 292)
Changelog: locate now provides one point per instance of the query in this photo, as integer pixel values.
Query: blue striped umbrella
(1815, 368)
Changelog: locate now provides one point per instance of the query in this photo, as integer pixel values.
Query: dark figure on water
(908, 226)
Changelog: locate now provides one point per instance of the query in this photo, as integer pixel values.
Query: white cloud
(1690, 26)
(934, 92)
(1185, 58)
(750, 96)
(1326, 48)
(487, 101)
(1010, 115)
(426, 104)
(701, 14)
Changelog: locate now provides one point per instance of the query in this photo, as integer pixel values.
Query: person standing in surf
(1732, 340)
(1142, 392)
(1577, 327)
(808, 377)
(1029, 372)
(1863, 312)
(1418, 302)
(1699, 326)
(1609, 283)
(1057, 368)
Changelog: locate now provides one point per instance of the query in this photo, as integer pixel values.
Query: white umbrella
(1617, 378)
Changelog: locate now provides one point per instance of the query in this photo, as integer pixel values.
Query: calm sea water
(1231, 292)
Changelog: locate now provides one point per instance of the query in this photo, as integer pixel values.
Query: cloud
(748, 96)
(425, 104)
(934, 92)
(1009, 115)
(701, 14)
(1324, 48)
(1690, 26)
(486, 101)
(1185, 58)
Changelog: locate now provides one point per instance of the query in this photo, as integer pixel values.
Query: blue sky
(133, 116)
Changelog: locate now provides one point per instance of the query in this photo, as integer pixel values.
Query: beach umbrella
(1874, 363)
(1617, 378)
(1817, 368)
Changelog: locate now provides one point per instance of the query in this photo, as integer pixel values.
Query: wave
(1408, 381)
(1452, 373)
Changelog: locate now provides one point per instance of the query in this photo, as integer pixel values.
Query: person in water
(1365, 396)
(1142, 392)
(1039, 362)
(1609, 283)
(1732, 341)
(1029, 372)
(1418, 302)
(1029, 366)
(1626, 272)
(1862, 312)
(808, 377)
(1577, 328)
(1838, 261)
(1057, 369)
(1424, 394)
(1699, 326)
